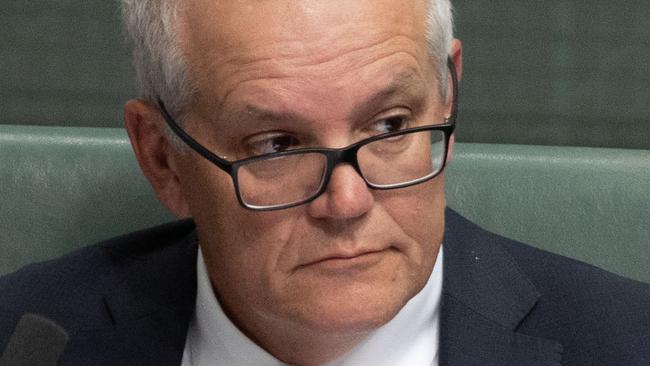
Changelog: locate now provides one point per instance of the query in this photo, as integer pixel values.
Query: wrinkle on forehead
(232, 42)
(338, 72)
(406, 85)
(283, 55)
(319, 103)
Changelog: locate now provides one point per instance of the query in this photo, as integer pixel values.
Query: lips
(348, 260)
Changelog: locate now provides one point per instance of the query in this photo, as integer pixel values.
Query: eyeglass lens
(386, 163)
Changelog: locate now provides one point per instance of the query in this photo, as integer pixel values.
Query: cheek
(241, 247)
(215, 209)
(213, 206)
(419, 212)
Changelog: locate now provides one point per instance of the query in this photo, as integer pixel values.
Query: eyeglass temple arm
(223, 164)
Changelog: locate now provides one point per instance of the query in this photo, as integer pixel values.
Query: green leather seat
(586, 203)
(63, 187)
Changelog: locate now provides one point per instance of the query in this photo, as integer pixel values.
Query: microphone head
(36, 341)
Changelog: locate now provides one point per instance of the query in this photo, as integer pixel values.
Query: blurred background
(536, 72)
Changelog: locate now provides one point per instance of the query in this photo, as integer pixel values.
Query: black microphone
(36, 341)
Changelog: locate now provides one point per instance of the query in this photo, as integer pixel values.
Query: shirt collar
(212, 338)
(410, 338)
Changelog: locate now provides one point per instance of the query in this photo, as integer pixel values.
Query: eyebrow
(405, 85)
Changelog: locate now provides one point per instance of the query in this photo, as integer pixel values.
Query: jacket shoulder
(589, 310)
(593, 313)
(600, 318)
(576, 285)
(70, 289)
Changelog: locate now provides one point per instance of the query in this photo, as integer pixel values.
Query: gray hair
(440, 34)
(160, 67)
(161, 70)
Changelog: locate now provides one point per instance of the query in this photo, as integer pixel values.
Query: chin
(350, 298)
(356, 311)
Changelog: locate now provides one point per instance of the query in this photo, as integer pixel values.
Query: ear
(456, 56)
(157, 158)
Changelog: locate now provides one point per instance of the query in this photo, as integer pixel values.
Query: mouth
(345, 262)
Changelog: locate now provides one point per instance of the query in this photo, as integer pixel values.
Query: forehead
(229, 43)
(246, 24)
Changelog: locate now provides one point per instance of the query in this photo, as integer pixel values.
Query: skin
(307, 283)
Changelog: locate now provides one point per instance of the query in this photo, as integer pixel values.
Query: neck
(295, 344)
(307, 349)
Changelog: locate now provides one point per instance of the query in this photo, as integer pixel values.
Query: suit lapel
(485, 297)
(151, 309)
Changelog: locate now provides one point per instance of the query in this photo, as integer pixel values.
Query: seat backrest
(586, 203)
(65, 187)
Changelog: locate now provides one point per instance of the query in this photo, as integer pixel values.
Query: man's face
(322, 73)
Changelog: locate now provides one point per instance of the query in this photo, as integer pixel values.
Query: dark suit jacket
(128, 301)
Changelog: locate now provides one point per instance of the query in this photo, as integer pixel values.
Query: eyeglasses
(290, 178)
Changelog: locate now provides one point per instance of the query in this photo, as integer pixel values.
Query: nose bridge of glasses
(345, 187)
(343, 156)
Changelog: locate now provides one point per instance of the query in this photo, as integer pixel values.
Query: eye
(271, 143)
(390, 124)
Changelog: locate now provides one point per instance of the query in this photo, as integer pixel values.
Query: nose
(347, 196)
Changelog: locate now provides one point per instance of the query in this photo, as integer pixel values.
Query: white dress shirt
(409, 339)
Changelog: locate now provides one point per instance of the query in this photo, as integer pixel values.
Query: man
(306, 140)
